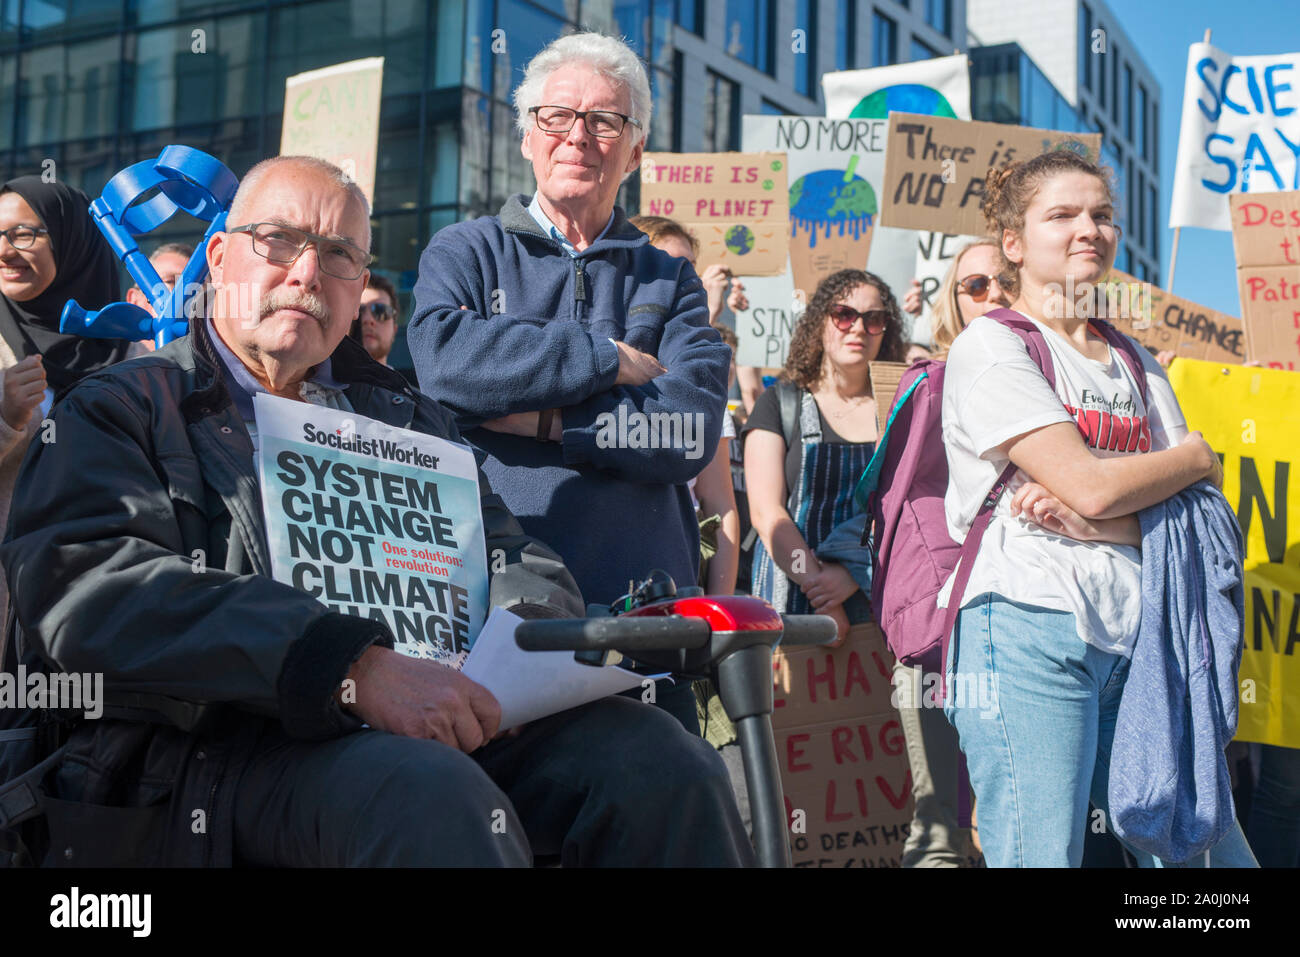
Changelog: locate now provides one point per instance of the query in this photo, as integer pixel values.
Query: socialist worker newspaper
(375, 521)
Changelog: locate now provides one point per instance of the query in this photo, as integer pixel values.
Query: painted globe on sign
(903, 98)
(824, 196)
(739, 240)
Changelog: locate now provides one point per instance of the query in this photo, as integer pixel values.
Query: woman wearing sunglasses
(801, 472)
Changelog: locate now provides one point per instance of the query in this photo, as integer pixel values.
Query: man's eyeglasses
(284, 244)
(22, 237)
(605, 124)
(873, 321)
(977, 286)
(379, 311)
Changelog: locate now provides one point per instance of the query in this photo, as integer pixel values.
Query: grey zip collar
(515, 218)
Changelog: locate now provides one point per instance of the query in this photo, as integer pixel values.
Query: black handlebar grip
(613, 634)
(808, 630)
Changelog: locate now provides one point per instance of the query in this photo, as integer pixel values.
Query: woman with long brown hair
(809, 439)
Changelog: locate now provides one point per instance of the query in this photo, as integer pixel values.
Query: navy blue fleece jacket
(535, 334)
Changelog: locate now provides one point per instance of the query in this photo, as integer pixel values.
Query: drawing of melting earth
(903, 98)
(830, 225)
(739, 240)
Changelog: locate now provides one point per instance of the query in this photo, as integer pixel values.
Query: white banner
(1240, 133)
(836, 171)
(935, 87)
(375, 521)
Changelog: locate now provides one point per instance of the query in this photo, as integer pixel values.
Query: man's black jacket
(136, 548)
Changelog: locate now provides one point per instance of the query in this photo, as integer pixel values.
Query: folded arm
(665, 431)
(488, 360)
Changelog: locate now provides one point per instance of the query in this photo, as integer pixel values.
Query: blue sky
(1162, 30)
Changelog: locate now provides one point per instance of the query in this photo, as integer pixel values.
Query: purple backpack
(902, 491)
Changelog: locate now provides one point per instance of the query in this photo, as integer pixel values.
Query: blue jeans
(1274, 823)
(1035, 708)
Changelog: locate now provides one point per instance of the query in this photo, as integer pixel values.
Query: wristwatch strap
(544, 424)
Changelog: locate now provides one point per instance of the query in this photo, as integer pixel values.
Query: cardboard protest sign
(935, 167)
(939, 86)
(333, 114)
(1161, 320)
(1240, 133)
(736, 204)
(844, 770)
(375, 521)
(935, 253)
(1251, 417)
(885, 377)
(1266, 239)
(835, 170)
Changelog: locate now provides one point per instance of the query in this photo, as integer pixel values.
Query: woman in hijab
(50, 252)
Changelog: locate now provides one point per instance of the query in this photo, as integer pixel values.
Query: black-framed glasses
(605, 124)
(23, 237)
(379, 311)
(977, 286)
(284, 244)
(873, 320)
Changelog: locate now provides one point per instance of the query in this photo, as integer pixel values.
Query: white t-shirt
(992, 392)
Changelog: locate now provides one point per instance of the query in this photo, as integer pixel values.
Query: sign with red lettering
(839, 743)
(1163, 321)
(736, 204)
(935, 167)
(1266, 238)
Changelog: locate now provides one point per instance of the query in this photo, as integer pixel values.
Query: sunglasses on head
(873, 321)
(977, 286)
(379, 311)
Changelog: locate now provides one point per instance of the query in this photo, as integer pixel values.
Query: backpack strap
(788, 399)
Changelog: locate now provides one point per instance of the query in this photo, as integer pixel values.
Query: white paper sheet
(533, 684)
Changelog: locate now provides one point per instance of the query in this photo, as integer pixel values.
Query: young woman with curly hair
(1050, 614)
(801, 486)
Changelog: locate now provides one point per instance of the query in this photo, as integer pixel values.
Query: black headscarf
(85, 270)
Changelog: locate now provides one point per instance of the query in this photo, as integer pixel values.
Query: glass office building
(96, 85)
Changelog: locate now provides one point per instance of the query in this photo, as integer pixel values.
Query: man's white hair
(253, 178)
(606, 56)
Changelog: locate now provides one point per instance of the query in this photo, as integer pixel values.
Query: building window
(846, 34)
(806, 74)
(1101, 79)
(922, 51)
(1142, 142)
(1114, 84)
(1085, 47)
(1128, 103)
(1141, 211)
(1153, 232)
(1130, 199)
(689, 14)
(1155, 135)
(721, 114)
(884, 40)
(938, 14)
(749, 32)
(767, 108)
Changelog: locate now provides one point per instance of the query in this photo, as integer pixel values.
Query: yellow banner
(1251, 417)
